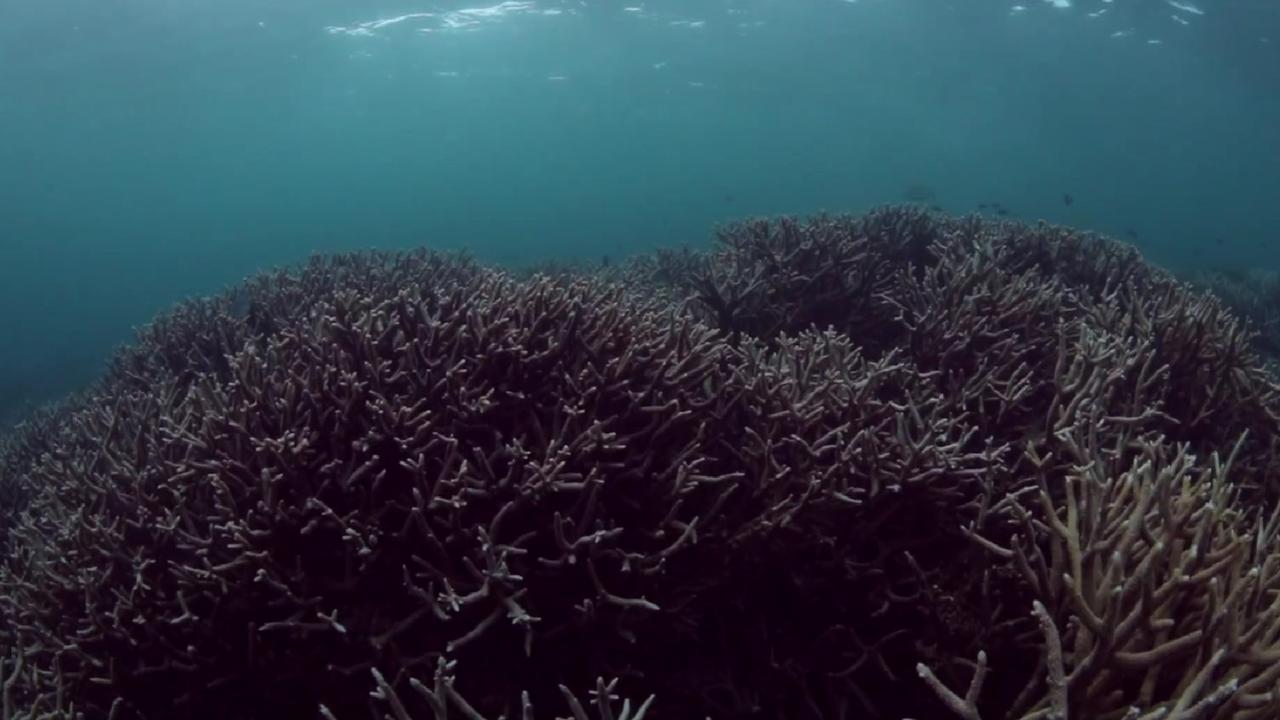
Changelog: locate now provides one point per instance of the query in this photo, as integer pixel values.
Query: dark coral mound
(1003, 312)
(811, 473)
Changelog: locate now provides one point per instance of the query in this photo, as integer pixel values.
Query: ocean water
(151, 150)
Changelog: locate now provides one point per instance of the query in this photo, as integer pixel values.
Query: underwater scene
(697, 359)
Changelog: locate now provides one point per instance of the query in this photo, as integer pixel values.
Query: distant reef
(1252, 294)
(879, 466)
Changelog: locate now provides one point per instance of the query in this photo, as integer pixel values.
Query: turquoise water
(150, 151)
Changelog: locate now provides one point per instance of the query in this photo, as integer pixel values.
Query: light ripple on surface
(1185, 7)
(464, 19)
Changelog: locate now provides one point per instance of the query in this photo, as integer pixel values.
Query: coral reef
(810, 473)
(1252, 294)
(1169, 586)
(995, 307)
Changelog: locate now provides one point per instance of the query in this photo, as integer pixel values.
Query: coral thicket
(885, 465)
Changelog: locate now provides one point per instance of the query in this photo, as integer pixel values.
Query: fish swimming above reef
(1133, 234)
(1067, 199)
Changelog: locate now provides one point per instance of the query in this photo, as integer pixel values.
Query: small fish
(983, 206)
(1219, 241)
(1067, 199)
(728, 197)
(605, 261)
(936, 208)
(1133, 234)
(1002, 212)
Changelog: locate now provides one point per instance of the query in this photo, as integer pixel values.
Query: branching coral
(527, 478)
(772, 480)
(441, 696)
(1252, 294)
(414, 473)
(1170, 589)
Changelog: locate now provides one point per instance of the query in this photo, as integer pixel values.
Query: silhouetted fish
(1131, 233)
(1002, 212)
(936, 208)
(1218, 240)
(1067, 199)
(728, 197)
(983, 206)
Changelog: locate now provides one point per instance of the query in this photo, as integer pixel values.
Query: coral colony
(895, 465)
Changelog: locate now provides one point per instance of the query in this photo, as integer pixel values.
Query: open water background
(151, 150)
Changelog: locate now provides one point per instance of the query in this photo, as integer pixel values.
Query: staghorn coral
(769, 277)
(1170, 589)
(986, 304)
(1030, 330)
(766, 481)
(471, 467)
(44, 430)
(429, 448)
(1129, 543)
(441, 696)
(1252, 294)
(199, 336)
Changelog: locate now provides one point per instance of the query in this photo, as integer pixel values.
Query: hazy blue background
(155, 149)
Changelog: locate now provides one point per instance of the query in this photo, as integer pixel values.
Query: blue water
(152, 150)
